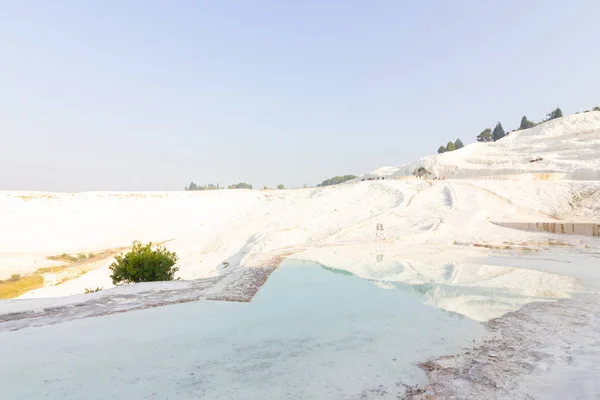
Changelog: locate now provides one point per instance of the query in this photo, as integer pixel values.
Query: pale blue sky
(148, 95)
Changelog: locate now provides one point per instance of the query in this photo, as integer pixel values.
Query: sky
(150, 95)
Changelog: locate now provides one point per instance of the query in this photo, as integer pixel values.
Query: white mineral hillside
(566, 148)
(445, 223)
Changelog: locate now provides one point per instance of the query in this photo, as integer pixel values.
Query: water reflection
(479, 292)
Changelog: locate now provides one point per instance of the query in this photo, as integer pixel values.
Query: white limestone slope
(430, 221)
(569, 148)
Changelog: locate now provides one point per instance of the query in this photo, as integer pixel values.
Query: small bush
(90, 290)
(142, 264)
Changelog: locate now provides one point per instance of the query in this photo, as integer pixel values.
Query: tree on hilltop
(450, 146)
(441, 149)
(498, 132)
(458, 144)
(556, 113)
(485, 136)
(525, 123)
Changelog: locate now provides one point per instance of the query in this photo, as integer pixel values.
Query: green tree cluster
(194, 186)
(451, 146)
(487, 135)
(280, 187)
(240, 185)
(337, 180)
(556, 113)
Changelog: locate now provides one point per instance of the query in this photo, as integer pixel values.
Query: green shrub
(89, 290)
(142, 264)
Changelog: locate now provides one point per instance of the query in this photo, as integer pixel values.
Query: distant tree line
(195, 186)
(451, 146)
(279, 187)
(240, 185)
(337, 180)
(597, 108)
(210, 186)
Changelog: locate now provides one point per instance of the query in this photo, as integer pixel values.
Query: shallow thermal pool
(308, 334)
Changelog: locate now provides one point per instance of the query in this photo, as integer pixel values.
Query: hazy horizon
(136, 95)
